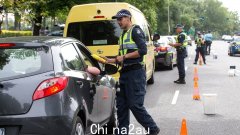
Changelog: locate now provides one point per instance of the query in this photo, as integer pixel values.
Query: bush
(8, 33)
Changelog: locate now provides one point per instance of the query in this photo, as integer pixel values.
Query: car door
(104, 93)
(85, 89)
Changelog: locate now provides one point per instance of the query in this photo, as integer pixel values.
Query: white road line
(175, 97)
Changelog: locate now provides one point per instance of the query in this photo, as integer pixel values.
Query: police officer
(132, 75)
(200, 49)
(208, 42)
(180, 46)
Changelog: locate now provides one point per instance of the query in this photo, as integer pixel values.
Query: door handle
(80, 83)
(93, 89)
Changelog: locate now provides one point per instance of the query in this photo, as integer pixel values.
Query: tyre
(151, 80)
(170, 67)
(112, 122)
(78, 127)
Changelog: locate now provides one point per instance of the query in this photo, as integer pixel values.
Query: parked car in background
(234, 47)
(58, 33)
(223, 37)
(52, 86)
(228, 38)
(165, 55)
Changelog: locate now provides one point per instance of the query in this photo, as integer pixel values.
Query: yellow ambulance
(93, 25)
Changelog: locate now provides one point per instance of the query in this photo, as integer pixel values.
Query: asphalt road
(213, 78)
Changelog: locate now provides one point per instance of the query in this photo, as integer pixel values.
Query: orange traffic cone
(184, 128)
(196, 95)
(195, 70)
(195, 78)
(200, 59)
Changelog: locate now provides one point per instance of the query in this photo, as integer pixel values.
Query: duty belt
(180, 48)
(129, 67)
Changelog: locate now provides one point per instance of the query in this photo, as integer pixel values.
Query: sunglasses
(119, 19)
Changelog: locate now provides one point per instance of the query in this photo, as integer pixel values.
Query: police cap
(122, 13)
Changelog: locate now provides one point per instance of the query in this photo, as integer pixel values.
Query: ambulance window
(95, 33)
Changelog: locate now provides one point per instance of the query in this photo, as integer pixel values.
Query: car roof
(37, 40)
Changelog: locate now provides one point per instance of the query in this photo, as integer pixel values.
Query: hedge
(8, 33)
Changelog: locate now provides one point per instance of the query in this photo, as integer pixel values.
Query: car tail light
(6, 44)
(50, 87)
(162, 49)
(99, 17)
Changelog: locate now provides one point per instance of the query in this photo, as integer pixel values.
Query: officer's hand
(119, 59)
(171, 44)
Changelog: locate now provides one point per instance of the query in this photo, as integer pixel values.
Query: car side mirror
(110, 69)
(156, 44)
(156, 37)
(93, 70)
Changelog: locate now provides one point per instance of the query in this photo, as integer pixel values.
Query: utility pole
(169, 29)
(1, 18)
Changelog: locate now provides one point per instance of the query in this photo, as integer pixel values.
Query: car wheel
(112, 122)
(170, 67)
(78, 127)
(151, 80)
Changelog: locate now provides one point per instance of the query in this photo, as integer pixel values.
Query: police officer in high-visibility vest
(180, 46)
(200, 48)
(132, 75)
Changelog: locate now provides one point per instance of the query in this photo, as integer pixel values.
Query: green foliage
(195, 14)
(6, 33)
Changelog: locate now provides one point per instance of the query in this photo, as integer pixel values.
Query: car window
(89, 60)
(71, 58)
(21, 62)
(237, 40)
(95, 33)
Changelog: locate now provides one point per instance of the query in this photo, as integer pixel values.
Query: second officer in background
(200, 48)
(180, 45)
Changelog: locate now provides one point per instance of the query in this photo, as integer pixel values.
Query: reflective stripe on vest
(185, 42)
(126, 42)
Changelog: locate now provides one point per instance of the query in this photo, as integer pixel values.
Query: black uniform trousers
(201, 51)
(131, 97)
(208, 47)
(181, 54)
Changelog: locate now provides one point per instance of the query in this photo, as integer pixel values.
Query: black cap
(178, 26)
(122, 13)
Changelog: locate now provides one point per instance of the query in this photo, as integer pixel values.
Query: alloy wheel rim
(79, 129)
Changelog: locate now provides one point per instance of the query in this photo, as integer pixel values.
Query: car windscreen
(95, 33)
(21, 62)
(237, 40)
